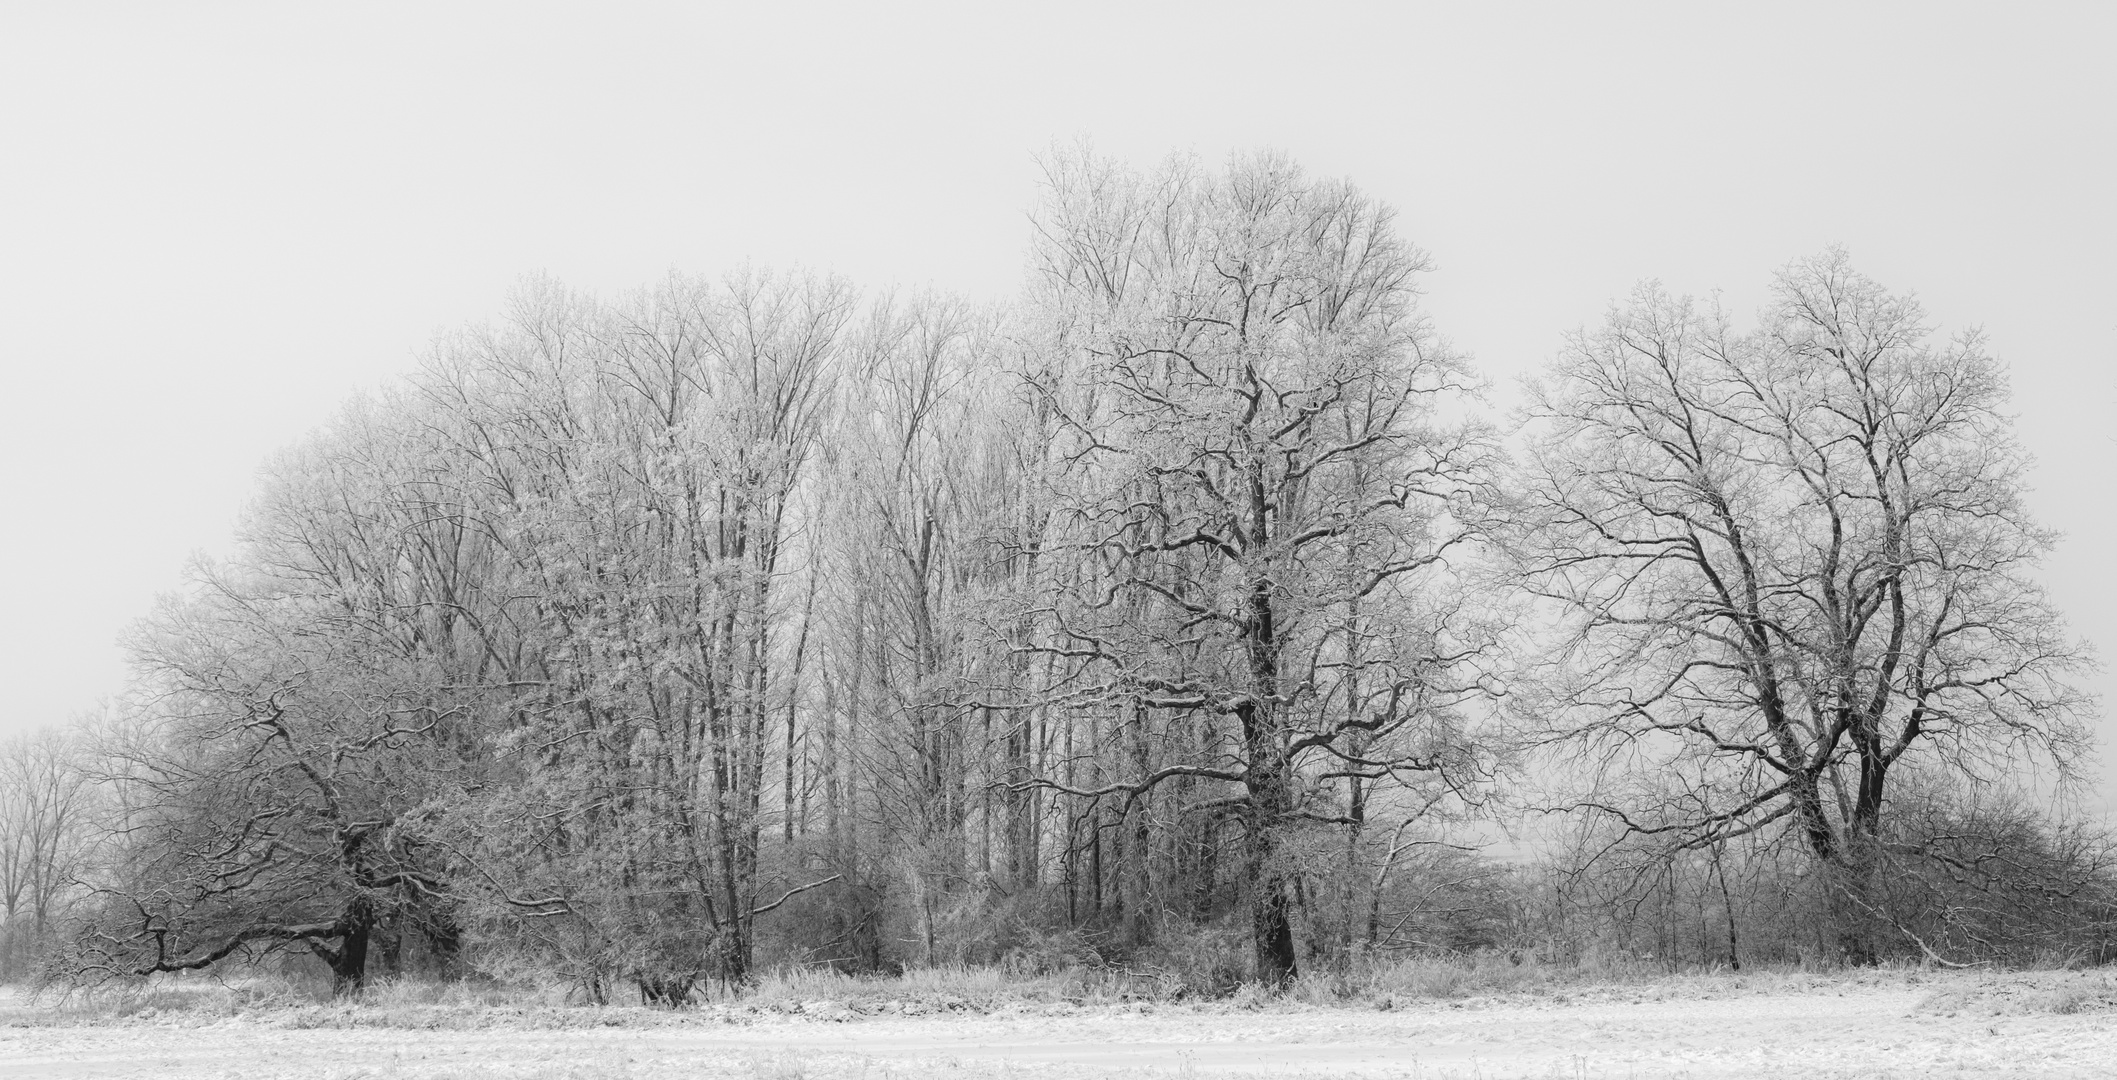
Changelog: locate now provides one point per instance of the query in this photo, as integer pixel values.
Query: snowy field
(1889, 1024)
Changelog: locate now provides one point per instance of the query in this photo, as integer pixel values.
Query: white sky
(216, 223)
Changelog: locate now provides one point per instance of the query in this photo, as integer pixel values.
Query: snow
(2054, 1024)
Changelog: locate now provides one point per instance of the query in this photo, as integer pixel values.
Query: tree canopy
(647, 641)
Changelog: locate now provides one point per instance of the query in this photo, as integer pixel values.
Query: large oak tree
(1788, 562)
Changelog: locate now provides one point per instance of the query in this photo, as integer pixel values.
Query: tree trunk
(1271, 925)
(1727, 902)
(349, 961)
(1138, 866)
(1208, 868)
(1020, 803)
(1269, 801)
(1854, 874)
(1854, 906)
(801, 648)
(735, 951)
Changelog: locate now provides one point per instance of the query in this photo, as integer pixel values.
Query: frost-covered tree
(1263, 487)
(1788, 562)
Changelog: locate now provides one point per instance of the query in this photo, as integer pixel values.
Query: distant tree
(910, 488)
(46, 834)
(1786, 562)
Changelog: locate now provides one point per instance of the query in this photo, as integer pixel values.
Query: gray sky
(216, 223)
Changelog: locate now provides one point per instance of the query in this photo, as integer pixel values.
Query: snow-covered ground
(2052, 1024)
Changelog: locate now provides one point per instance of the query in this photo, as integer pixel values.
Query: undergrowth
(822, 994)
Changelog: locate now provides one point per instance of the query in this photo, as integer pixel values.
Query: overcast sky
(218, 221)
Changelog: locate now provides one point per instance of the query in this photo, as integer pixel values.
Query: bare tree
(297, 708)
(1786, 561)
(906, 539)
(641, 462)
(1155, 606)
(46, 833)
(1261, 496)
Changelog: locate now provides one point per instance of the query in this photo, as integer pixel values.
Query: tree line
(1191, 603)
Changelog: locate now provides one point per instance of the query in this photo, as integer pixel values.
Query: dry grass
(981, 989)
(824, 995)
(301, 1003)
(2065, 993)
